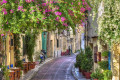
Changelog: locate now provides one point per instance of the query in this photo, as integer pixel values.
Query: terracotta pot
(87, 75)
(95, 79)
(83, 72)
(106, 56)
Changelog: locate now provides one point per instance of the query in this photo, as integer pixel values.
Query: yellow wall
(9, 51)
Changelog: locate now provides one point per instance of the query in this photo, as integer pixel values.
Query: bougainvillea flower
(57, 19)
(2, 34)
(63, 19)
(4, 11)
(44, 18)
(88, 8)
(11, 11)
(28, 1)
(82, 10)
(4, 1)
(72, 3)
(83, 0)
(43, 4)
(6, 22)
(65, 24)
(20, 8)
(78, 3)
(58, 13)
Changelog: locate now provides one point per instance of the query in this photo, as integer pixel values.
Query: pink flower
(72, 3)
(58, 13)
(28, 1)
(4, 1)
(63, 19)
(7, 22)
(43, 4)
(83, 0)
(82, 10)
(78, 3)
(88, 8)
(20, 8)
(38, 22)
(65, 24)
(4, 11)
(57, 19)
(11, 11)
(44, 18)
(2, 34)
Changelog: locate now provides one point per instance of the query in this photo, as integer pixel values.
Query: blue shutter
(109, 60)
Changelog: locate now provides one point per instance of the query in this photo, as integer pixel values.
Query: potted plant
(87, 62)
(107, 74)
(88, 67)
(103, 65)
(105, 54)
(97, 75)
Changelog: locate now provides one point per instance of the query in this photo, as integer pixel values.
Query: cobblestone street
(57, 69)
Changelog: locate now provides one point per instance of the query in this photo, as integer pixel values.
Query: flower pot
(95, 79)
(87, 75)
(83, 72)
(106, 56)
(80, 70)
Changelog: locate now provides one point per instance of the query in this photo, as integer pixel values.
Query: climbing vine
(109, 21)
(30, 41)
(17, 50)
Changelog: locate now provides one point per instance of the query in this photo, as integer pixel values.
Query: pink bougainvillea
(20, 8)
(28, 1)
(58, 13)
(11, 11)
(63, 19)
(82, 10)
(65, 24)
(57, 19)
(4, 11)
(2, 34)
(4, 1)
(43, 4)
(79, 3)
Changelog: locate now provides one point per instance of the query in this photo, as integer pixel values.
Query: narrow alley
(57, 69)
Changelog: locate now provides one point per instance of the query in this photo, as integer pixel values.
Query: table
(17, 72)
(12, 75)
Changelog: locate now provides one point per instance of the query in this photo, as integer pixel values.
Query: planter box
(25, 67)
(83, 72)
(87, 75)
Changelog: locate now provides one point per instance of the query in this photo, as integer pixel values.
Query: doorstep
(77, 75)
(32, 72)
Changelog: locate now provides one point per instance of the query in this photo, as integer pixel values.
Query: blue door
(44, 41)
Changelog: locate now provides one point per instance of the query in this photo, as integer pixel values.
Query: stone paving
(57, 69)
(61, 68)
(32, 72)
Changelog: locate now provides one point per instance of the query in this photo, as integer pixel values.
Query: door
(44, 41)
